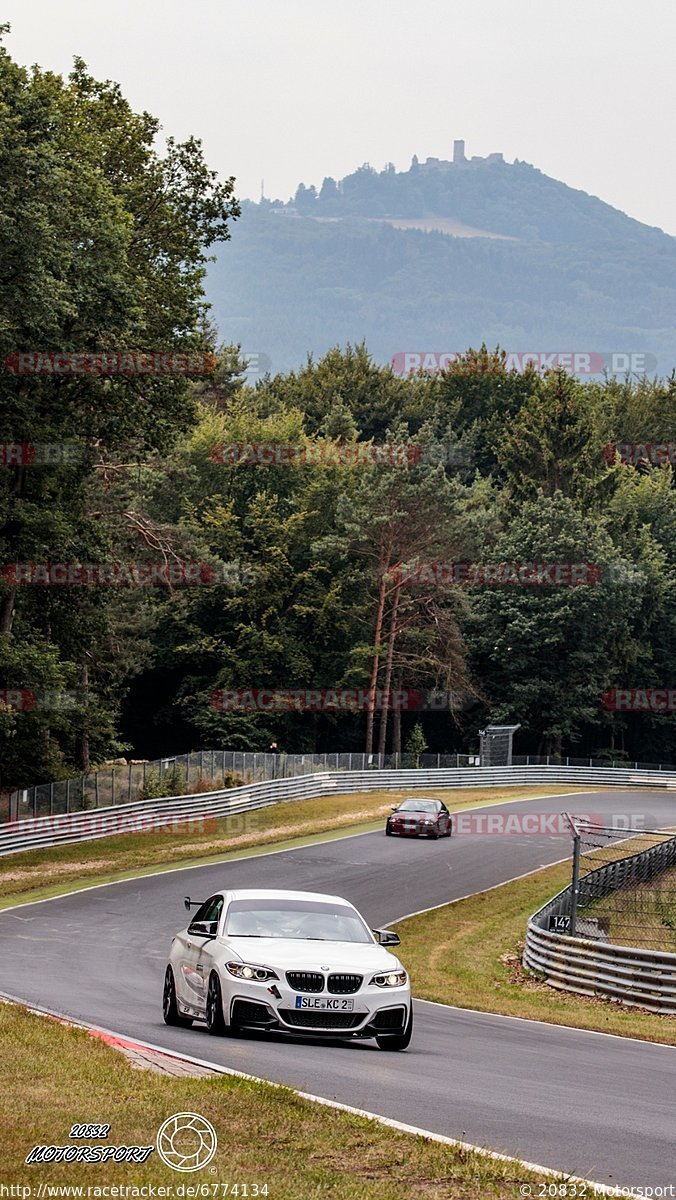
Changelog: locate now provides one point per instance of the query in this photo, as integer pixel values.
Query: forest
(175, 543)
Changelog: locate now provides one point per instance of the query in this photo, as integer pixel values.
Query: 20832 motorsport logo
(186, 1141)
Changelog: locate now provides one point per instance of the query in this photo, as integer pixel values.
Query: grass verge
(37, 874)
(55, 1077)
(468, 954)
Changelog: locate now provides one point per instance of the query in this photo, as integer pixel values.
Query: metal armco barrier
(628, 974)
(39, 832)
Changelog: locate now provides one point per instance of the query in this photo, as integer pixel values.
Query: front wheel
(397, 1041)
(169, 1005)
(214, 1013)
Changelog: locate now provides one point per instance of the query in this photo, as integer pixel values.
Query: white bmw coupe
(298, 962)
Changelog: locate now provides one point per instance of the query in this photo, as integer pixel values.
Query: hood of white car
(302, 955)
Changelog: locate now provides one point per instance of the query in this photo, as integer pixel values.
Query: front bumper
(376, 1010)
(412, 829)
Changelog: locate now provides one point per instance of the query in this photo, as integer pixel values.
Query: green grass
(38, 874)
(55, 1076)
(468, 953)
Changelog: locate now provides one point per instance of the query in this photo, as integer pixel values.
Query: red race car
(420, 818)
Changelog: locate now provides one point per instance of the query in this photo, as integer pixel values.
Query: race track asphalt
(602, 1107)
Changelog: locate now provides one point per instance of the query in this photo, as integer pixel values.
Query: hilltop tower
(459, 151)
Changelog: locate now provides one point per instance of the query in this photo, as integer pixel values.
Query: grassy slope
(54, 1077)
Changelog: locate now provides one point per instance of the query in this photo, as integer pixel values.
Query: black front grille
(389, 1018)
(344, 985)
(305, 981)
(321, 1020)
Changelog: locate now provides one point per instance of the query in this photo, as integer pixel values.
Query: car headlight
(252, 973)
(390, 979)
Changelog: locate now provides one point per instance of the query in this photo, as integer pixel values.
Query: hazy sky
(291, 90)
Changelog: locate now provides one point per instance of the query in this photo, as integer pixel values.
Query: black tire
(214, 1010)
(450, 829)
(397, 1041)
(388, 831)
(169, 1006)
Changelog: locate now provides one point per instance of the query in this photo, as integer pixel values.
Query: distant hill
(440, 257)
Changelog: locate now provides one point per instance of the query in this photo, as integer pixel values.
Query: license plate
(325, 1003)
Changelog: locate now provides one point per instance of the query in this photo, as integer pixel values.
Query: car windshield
(308, 920)
(428, 806)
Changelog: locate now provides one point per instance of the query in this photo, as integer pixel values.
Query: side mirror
(203, 928)
(395, 807)
(387, 937)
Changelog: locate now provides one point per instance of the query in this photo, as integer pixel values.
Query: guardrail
(631, 975)
(39, 832)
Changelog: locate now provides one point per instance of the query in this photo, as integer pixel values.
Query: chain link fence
(201, 771)
(626, 891)
(210, 770)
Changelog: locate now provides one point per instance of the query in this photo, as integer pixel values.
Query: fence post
(51, 799)
(68, 795)
(575, 883)
(96, 788)
(112, 785)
